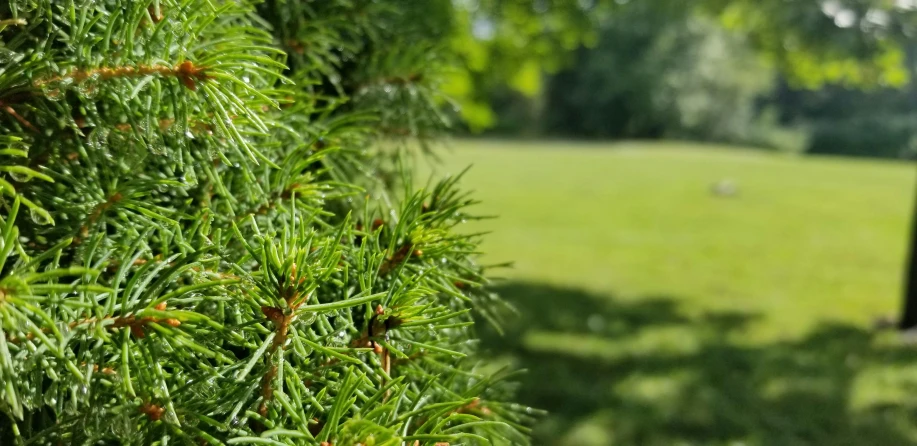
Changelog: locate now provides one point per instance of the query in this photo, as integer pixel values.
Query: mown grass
(654, 311)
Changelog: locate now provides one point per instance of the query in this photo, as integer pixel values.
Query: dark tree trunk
(909, 312)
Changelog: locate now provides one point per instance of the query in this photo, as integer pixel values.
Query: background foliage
(713, 70)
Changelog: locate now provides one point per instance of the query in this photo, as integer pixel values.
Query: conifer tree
(209, 233)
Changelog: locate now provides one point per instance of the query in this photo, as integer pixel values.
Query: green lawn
(656, 312)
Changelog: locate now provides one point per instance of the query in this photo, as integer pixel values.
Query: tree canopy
(858, 43)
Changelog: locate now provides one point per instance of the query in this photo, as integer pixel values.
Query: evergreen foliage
(210, 235)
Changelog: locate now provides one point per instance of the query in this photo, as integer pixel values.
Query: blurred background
(708, 204)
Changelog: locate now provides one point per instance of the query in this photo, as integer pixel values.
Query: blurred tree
(856, 43)
(852, 42)
(658, 74)
(877, 122)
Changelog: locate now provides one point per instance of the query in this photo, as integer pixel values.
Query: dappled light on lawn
(655, 376)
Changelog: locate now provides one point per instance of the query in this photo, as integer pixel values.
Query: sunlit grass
(803, 241)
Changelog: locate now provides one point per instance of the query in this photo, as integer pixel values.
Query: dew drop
(98, 138)
(52, 93)
(51, 395)
(20, 177)
(89, 88)
(40, 216)
(157, 147)
(7, 56)
(307, 319)
(338, 338)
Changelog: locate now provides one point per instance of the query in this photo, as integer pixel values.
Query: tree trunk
(909, 312)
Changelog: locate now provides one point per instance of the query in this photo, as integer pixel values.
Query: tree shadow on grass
(641, 372)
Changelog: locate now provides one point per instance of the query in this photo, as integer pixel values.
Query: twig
(398, 257)
(282, 323)
(12, 112)
(13, 22)
(136, 325)
(185, 71)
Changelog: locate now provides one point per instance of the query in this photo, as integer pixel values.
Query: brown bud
(187, 72)
(172, 322)
(152, 411)
(160, 306)
(188, 82)
(274, 314)
(153, 15)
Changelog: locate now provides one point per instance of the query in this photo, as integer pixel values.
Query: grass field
(656, 312)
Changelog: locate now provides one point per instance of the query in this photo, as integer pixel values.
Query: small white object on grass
(724, 188)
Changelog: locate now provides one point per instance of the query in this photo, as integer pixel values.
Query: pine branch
(220, 248)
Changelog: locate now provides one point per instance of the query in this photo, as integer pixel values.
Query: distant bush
(667, 73)
(652, 74)
(874, 136)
